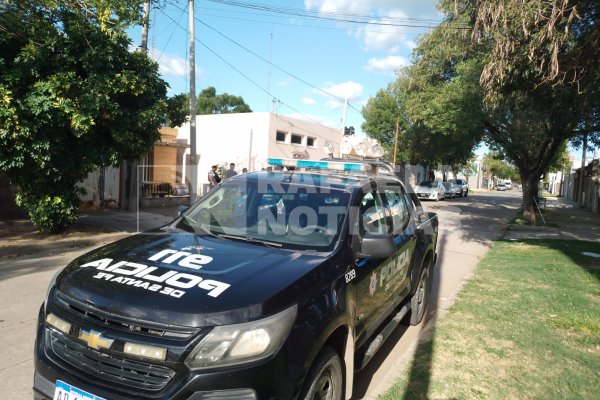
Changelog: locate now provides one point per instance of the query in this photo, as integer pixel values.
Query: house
(249, 139)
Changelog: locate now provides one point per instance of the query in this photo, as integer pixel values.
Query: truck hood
(186, 279)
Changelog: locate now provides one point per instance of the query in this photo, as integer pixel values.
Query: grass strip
(526, 326)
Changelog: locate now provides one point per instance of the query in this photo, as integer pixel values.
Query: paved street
(467, 228)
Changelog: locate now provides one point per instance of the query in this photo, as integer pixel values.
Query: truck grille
(121, 323)
(134, 374)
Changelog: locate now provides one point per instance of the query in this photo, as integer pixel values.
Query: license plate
(65, 391)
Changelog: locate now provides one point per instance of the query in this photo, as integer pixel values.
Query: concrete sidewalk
(566, 220)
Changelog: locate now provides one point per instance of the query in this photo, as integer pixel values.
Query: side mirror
(180, 210)
(377, 245)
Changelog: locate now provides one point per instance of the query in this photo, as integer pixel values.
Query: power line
(250, 79)
(333, 28)
(267, 61)
(170, 37)
(332, 16)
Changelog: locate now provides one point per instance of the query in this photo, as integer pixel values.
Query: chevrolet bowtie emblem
(95, 340)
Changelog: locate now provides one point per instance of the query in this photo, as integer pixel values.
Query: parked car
(275, 285)
(452, 190)
(463, 184)
(508, 184)
(431, 190)
(501, 186)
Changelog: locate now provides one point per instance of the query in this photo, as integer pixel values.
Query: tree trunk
(530, 183)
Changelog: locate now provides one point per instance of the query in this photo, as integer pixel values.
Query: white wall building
(248, 139)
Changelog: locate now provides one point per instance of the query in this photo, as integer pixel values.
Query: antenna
(269, 74)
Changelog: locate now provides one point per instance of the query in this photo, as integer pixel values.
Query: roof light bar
(314, 164)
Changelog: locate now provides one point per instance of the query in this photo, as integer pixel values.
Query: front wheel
(324, 381)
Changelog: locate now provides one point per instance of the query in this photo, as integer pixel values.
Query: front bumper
(268, 379)
(428, 196)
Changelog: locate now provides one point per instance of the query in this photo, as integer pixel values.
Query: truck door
(395, 282)
(370, 297)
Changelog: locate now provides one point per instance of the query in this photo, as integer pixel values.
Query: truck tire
(418, 301)
(324, 381)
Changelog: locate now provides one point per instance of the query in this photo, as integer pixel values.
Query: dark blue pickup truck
(275, 285)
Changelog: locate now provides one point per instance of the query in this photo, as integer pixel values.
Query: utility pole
(192, 66)
(269, 96)
(343, 124)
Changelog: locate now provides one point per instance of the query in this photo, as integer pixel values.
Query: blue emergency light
(314, 164)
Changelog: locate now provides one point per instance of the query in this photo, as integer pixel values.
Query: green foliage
(562, 161)
(50, 213)
(499, 168)
(209, 102)
(72, 97)
(177, 110)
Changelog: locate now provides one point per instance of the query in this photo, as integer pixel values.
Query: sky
(321, 51)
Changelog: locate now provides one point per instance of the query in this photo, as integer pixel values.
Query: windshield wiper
(250, 239)
(197, 227)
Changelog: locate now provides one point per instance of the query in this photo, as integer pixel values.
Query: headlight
(242, 343)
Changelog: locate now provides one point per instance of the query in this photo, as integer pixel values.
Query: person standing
(213, 177)
(230, 173)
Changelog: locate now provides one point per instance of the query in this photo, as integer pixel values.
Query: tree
(209, 102)
(72, 97)
(541, 79)
(499, 168)
(526, 73)
(177, 110)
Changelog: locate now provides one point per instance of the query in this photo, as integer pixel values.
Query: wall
(293, 127)
(101, 186)
(165, 164)
(248, 139)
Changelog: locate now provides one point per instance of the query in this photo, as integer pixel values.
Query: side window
(398, 209)
(371, 215)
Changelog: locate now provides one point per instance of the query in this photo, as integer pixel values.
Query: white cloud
(387, 38)
(348, 6)
(346, 90)
(284, 82)
(411, 44)
(308, 101)
(171, 64)
(387, 65)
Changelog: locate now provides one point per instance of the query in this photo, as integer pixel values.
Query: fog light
(139, 350)
(58, 323)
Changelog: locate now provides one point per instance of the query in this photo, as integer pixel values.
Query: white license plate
(65, 391)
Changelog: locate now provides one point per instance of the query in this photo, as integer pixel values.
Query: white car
(501, 186)
(431, 190)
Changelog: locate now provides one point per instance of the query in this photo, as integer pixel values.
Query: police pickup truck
(275, 285)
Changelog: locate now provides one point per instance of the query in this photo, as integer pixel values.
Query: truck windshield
(288, 215)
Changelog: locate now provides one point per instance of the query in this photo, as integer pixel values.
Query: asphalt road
(467, 227)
